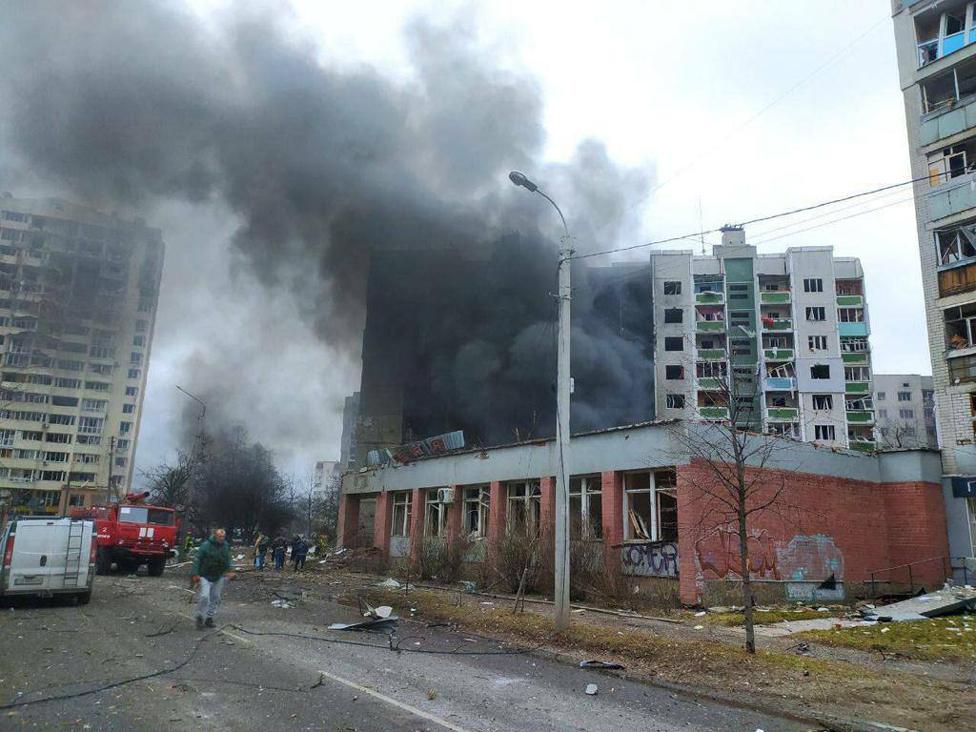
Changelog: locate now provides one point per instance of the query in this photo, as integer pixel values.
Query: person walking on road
(278, 552)
(299, 551)
(210, 570)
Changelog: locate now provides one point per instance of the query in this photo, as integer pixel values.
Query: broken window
(524, 500)
(850, 287)
(651, 506)
(816, 313)
(435, 514)
(823, 432)
(817, 343)
(673, 315)
(960, 326)
(859, 403)
(674, 344)
(813, 284)
(477, 502)
(857, 373)
(850, 315)
(675, 401)
(820, 371)
(402, 510)
(949, 162)
(711, 369)
(672, 287)
(955, 245)
(823, 402)
(586, 507)
(854, 344)
(674, 372)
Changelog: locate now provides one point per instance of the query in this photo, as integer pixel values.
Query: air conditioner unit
(445, 495)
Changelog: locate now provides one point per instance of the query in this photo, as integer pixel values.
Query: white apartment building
(78, 294)
(785, 335)
(905, 411)
(936, 47)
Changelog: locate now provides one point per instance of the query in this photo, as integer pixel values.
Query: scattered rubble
(591, 689)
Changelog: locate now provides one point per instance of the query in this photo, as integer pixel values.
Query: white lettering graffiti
(653, 559)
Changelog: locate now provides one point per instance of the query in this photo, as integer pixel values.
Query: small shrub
(517, 552)
(440, 558)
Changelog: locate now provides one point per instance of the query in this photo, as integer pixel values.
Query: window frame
(655, 490)
(581, 488)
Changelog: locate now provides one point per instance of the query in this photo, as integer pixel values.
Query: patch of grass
(952, 638)
(766, 617)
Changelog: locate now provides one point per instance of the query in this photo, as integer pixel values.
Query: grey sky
(665, 85)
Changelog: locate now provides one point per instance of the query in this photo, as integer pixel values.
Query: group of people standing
(278, 547)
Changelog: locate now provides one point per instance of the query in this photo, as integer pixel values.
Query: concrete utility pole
(563, 390)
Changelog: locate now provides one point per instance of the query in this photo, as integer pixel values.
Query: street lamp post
(563, 388)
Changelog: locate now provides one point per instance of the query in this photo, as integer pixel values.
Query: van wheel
(84, 598)
(155, 567)
(103, 562)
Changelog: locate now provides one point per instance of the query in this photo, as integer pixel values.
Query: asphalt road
(256, 673)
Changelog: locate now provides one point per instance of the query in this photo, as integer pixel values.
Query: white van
(48, 556)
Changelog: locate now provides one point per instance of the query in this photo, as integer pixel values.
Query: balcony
(710, 326)
(782, 414)
(775, 297)
(709, 298)
(855, 358)
(711, 354)
(777, 325)
(852, 329)
(848, 301)
(951, 201)
(779, 383)
(860, 416)
(713, 412)
(858, 387)
(949, 120)
(709, 383)
(778, 354)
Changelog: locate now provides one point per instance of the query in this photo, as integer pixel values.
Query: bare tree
(169, 485)
(732, 463)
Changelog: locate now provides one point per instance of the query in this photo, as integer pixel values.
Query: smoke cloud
(277, 178)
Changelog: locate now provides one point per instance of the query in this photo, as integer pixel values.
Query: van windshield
(144, 515)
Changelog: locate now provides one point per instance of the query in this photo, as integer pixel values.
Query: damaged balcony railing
(907, 572)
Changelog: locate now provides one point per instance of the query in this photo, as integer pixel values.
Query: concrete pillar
(690, 584)
(455, 513)
(547, 505)
(381, 523)
(497, 503)
(612, 505)
(417, 526)
(348, 520)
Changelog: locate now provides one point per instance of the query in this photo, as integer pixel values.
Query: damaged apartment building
(78, 294)
(638, 495)
(936, 47)
(785, 335)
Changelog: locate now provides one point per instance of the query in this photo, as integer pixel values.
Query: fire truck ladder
(72, 556)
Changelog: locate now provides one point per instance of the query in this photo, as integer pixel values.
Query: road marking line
(364, 689)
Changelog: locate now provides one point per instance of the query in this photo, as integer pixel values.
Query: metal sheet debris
(372, 624)
(600, 664)
(943, 602)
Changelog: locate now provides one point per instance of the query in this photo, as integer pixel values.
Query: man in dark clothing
(278, 551)
(211, 569)
(299, 550)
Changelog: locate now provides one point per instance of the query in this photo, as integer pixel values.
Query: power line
(834, 221)
(770, 217)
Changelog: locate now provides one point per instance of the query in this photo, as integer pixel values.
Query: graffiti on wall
(805, 558)
(651, 559)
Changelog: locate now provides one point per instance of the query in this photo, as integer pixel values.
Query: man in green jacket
(210, 570)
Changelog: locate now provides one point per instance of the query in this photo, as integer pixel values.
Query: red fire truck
(132, 533)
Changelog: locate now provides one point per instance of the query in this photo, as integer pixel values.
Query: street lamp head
(519, 179)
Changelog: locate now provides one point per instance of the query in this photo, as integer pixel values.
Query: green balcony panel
(860, 416)
(852, 329)
(709, 383)
(714, 412)
(850, 300)
(710, 326)
(854, 357)
(709, 298)
(778, 354)
(856, 387)
(782, 414)
(774, 298)
(711, 354)
(782, 324)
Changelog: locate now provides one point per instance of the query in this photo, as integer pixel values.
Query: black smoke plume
(151, 108)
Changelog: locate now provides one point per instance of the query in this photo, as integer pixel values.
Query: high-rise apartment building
(936, 47)
(784, 335)
(78, 294)
(905, 411)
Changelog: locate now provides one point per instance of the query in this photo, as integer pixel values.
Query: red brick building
(839, 516)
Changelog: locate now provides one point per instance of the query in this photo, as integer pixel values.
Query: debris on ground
(283, 604)
(600, 664)
(946, 601)
(372, 624)
(591, 689)
(469, 586)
